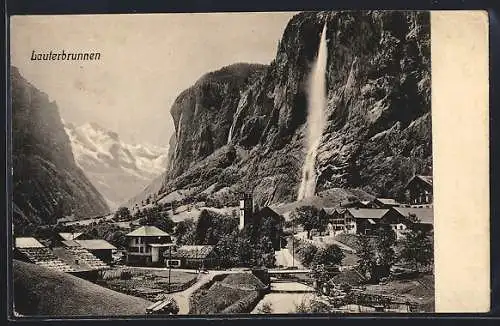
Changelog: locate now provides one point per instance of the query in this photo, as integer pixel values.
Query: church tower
(246, 210)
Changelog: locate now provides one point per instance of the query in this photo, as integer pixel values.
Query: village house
(336, 218)
(418, 190)
(363, 220)
(199, 257)
(146, 246)
(400, 218)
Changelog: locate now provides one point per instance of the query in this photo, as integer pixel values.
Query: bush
(125, 275)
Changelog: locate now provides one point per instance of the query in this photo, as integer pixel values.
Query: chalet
(201, 256)
(146, 245)
(419, 190)
(400, 218)
(363, 220)
(336, 218)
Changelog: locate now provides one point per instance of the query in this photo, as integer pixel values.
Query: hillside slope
(39, 292)
(378, 129)
(47, 183)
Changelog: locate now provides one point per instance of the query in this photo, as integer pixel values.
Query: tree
(123, 213)
(384, 250)
(328, 256)
(306, 252)
(184, 231)
(366, 254)
(417, 246)
(310, 218)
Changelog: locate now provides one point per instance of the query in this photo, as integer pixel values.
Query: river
(285, 296)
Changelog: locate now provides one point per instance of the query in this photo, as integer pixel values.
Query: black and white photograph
(222, 164)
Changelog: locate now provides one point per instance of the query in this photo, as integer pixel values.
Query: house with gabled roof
(363, 220)
(419, 190)
(146, 245)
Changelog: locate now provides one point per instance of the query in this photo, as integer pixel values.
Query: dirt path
(284, 258)
(182, 298)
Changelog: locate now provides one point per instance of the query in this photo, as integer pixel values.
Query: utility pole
(169, 265)
(293, 243)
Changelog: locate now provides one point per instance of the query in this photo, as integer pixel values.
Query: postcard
(249, 163)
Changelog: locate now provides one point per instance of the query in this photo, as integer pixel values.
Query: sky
(146, 61)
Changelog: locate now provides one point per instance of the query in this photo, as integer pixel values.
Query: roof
(387, 201)
(147, 231)
(192, 251)
(425, 178)
(159, 245)
(95, 244)
(70, 236)
(373, 213)
(79, 259)
(332, 210)
(70, 243)
(28, 242)
(425, 214)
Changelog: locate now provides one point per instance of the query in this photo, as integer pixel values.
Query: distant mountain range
(117, 169)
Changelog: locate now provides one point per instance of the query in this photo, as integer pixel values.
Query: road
(284, 258)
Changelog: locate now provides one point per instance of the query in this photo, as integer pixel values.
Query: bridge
(288, 271)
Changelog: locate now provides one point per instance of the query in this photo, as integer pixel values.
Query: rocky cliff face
(248, 135)
(47, 184)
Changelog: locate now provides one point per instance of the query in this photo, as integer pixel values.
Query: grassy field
(39, 291)
(148, 283)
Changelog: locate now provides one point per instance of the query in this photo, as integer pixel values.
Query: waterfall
(315, 118)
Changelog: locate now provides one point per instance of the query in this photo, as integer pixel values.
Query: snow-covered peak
(118, 169)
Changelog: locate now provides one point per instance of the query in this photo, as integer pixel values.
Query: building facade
(419, 190)
(146, 245)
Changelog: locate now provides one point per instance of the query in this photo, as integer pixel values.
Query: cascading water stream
(316, 119)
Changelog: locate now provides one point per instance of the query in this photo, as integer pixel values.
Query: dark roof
(424, 178)
(373, 213)
(147, 231)
(191, 252)
(424, 214)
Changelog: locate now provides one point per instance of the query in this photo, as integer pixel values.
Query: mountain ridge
(47, 183)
